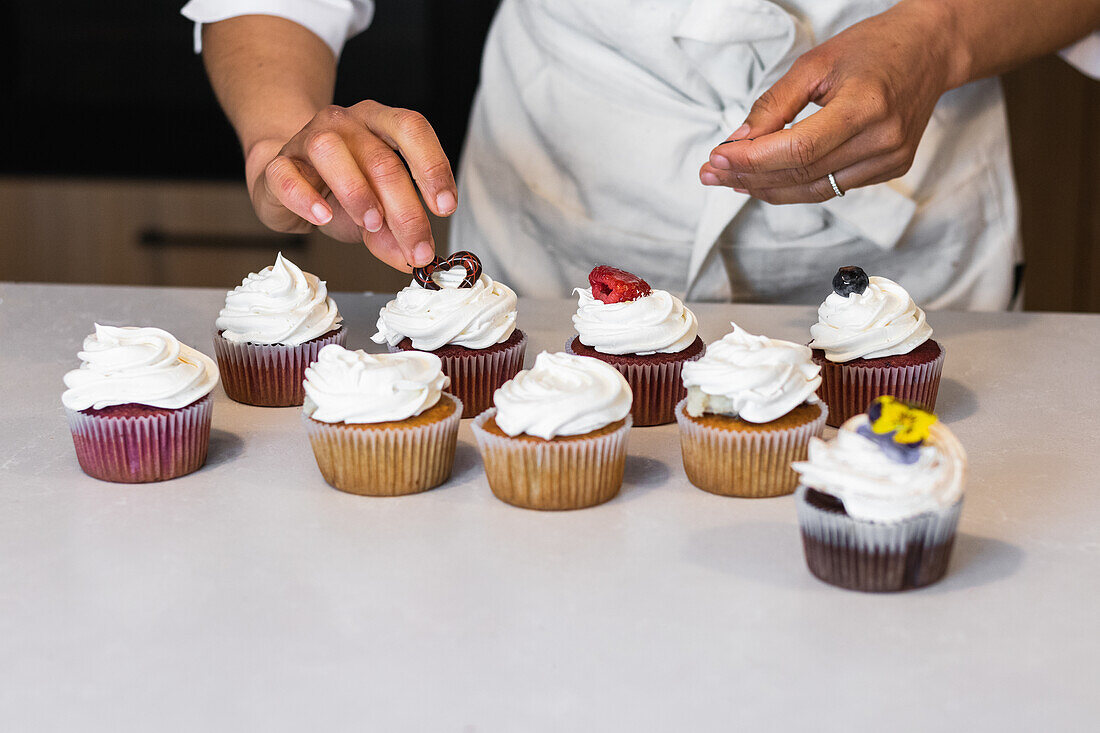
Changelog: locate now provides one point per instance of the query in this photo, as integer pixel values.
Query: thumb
(780, 104)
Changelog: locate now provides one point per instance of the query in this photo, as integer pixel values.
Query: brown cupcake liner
(269, 375)
(871, 556)
(476, 375)
(552, 475)
(848, 389)
(657, 388)
(142, 449)
(389, 461)
(749, 464)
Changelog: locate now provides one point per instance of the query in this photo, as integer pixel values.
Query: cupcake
(272, 326)
(380, 424)
(139, 406)
(557, 436)
(750, 411)
(648, 335)
(871, 339)
(879, 504)
(455, 311)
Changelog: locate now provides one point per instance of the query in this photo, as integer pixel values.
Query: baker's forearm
(270, 75)
(993, 36)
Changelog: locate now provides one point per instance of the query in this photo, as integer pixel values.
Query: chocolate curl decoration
(422, 276)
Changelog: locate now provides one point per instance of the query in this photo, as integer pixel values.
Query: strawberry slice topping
(612, 285)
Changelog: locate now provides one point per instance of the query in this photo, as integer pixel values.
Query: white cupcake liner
(269, 375)
(750, 464)
(850, 388)
(552, 475)
(876, 556)
(477, 374)
(389, 461)
(142, 449)
(657, 387)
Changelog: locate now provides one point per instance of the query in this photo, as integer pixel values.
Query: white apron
(593, 118)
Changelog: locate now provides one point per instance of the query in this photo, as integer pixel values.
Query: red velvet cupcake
(871, 339)
(455, 311)
(139, 406)
(648, 335)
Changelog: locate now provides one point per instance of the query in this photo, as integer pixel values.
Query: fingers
(778, 106)
(409, 133)
(285, 182)
(386, 248)
(334, 162)
(863, 173)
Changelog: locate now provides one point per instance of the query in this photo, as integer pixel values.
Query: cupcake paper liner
(657, 388)
(876, 556)
(849, 389)
(751, 464)
(389, 461)
(142, 449)
(476, 375)
(552, 475)
(269, 375)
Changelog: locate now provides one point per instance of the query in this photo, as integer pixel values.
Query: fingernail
(720, 162)
(709, 179)
(372, 221)
(445, 202)
(423, 253)
(741, 190)
(321, 213)
(741, 131)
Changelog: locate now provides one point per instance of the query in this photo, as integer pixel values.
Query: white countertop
(252, 596)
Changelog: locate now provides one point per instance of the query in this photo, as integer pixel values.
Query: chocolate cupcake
(455, 311)
(871, 339)
(139, 406)
(272, 326)
(380, 424)
(750, 411)
(878, 506)
(557, 436)
(648, 335)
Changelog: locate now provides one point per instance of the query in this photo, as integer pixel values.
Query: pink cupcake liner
(848, 389)
(269, 375)
(390, 461)
(476, 374)
(864, 555)
(751, 464)
(657, 388)
(552, 475)
(142, 449)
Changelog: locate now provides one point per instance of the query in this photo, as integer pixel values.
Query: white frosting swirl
(654, 323)
(881, 321)
(475, 318)
(563, 394)
(278, 305)
(357, 387)
(873, 486)
(752, 377)
(146, 366)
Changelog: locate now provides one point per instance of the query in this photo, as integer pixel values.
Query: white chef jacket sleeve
(334, 21)
(1085, 55)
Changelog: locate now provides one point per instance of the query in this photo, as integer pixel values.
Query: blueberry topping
(848, 280)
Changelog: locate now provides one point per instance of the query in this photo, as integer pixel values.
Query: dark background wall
(119, 167)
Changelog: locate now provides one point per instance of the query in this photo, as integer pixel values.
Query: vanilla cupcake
(750, 411)
(380, 424)
(871, 339)
(455, 311)
(648, 335)
(139, 406)
(878, 506)
(272, 326)
(557, 436)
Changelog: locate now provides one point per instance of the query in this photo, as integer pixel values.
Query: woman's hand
(342, 172)
(877, 83)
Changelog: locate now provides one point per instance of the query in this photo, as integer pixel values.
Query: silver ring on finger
(836, 188)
